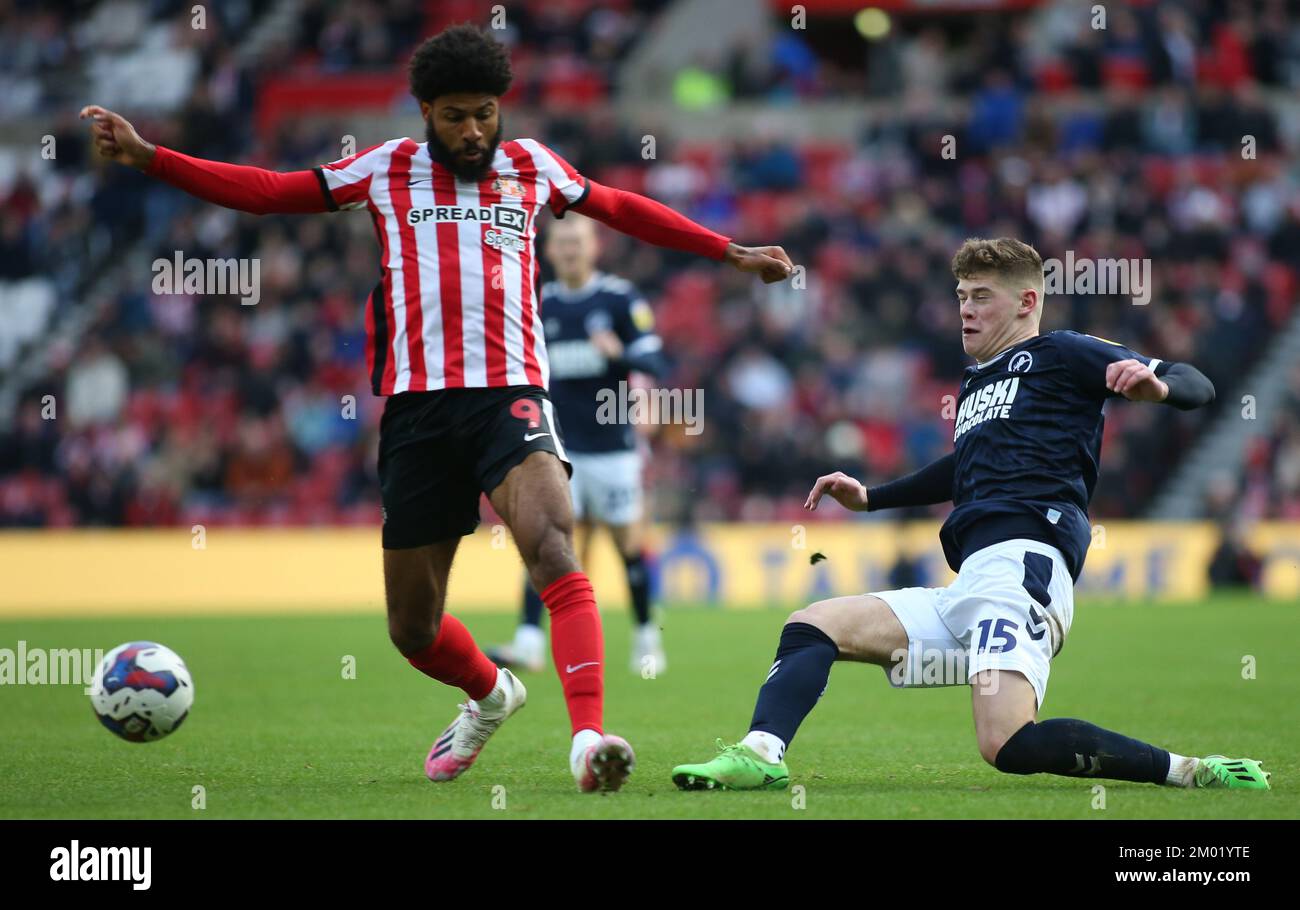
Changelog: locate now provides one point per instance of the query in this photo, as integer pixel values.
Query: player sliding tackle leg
(865, 629)
(1017, 540)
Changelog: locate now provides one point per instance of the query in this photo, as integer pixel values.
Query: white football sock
(769, 748)
(495, 701)
(582, 741)
(1182, 770)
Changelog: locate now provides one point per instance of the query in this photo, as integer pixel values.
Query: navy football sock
(638, 585)
(796, 681)
(533, 606)
(1076, 748)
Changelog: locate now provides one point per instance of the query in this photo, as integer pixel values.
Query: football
(142, 691)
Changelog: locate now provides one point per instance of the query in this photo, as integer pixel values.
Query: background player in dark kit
(599, 330)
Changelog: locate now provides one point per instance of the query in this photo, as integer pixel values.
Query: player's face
(571, 248)
(463, 131)
(993, 317)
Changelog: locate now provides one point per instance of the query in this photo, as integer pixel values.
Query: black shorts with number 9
(439, 450)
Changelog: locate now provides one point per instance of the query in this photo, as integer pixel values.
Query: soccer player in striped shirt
(454, 342)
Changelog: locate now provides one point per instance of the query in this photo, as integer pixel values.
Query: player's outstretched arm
(930, 485)
(644, 218)
(235, 186)
(1180, 385)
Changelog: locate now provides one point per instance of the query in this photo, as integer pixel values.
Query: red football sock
(578, 648)
(454, 659)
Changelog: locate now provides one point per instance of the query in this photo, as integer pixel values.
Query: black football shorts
(439, 450)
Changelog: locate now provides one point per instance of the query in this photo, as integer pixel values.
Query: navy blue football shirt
(579, 372)
(1027, 444)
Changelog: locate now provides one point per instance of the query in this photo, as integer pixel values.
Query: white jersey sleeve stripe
(566, 184)
(349, 180)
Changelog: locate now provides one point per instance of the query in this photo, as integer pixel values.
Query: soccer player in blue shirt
(1024, 463)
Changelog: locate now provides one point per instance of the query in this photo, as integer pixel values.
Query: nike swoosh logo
(421, 180)
(529, 437)
(590, 663)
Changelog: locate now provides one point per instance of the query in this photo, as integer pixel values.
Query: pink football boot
(605, 765)
(458, 745)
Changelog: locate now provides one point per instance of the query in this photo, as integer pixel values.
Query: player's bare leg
(439, 645)
(535, 504)
(1002, 702)
(415, 589)
(863, 627)
(1005, 706)
(1011, 739)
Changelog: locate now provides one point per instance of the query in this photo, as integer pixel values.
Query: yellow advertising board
(50, 573)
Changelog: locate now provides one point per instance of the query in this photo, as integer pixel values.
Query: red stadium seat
(1054, 76)
(1125, 72)
(821, 165)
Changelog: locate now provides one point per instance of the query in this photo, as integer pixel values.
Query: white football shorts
(606, 486)
(1009, 608)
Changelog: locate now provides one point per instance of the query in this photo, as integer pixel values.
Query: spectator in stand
(209, 411)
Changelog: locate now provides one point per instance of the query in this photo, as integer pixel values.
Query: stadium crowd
(177, 409)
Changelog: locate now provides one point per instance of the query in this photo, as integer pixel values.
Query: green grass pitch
(277, 732)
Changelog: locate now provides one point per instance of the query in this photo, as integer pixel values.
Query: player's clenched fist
(771, 263)
(840, 487)
(1135, 381)
(116, 139)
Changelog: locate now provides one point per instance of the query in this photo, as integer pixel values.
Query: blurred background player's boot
(647, 643)
(527, 651)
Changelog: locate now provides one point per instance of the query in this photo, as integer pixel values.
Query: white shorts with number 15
(1009, 608)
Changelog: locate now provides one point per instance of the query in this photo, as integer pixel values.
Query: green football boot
(735, 767)
(1232, 773)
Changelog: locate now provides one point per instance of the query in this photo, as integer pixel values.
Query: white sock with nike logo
(582, 741)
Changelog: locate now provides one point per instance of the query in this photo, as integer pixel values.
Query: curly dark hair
(462, 58)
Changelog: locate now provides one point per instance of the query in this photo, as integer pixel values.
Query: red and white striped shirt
(457, 304)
